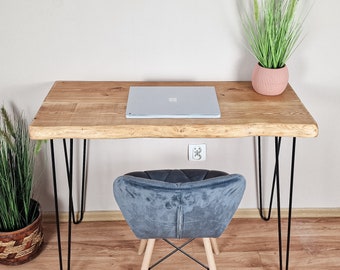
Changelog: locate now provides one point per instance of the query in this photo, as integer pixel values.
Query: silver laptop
(172, 102)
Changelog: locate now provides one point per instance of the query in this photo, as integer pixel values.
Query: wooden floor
(246, 244)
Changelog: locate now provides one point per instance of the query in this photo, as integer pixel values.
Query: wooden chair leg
(215, 246)
(142, 246)
(209, 253)
(148, 254)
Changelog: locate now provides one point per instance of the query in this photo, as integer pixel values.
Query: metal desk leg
(276, 182)
(261, 210)
(56, 204)
(69, 171)
(71, 216)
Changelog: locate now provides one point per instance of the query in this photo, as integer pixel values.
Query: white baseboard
(241, 213)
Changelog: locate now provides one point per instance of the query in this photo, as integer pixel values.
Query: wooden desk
(96, 110)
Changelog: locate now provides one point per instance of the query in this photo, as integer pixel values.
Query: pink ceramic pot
(268, 81)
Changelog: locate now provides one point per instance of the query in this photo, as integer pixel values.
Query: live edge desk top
(96, 110)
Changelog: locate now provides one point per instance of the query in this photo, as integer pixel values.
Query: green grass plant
(17, 152)
(272, 29)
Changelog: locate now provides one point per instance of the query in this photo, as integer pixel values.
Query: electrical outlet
(197, 152)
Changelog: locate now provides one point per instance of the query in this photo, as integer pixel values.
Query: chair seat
(178, 176)
(178, 203)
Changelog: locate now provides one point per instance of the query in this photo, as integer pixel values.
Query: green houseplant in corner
(272, 29)
(21, 234)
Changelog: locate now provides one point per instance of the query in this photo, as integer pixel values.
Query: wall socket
(197, 152)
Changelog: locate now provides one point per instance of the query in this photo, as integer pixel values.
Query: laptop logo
(172, 99)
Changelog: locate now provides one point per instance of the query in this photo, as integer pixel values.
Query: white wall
(47, 40)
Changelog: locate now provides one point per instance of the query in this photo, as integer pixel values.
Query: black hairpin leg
(276, 181)
(56, 205)
(261, 210)
(71, 215)
(69, 170)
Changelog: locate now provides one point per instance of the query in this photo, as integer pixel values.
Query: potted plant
(272, 29)
(21, 234)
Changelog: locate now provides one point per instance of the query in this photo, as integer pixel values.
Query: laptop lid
(172, 102)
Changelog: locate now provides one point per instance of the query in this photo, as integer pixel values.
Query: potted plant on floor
(21, 233)
(272, 29)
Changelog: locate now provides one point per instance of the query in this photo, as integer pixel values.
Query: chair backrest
(166, 208)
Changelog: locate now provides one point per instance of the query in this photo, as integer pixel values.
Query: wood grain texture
(246, 244)
(96, 110)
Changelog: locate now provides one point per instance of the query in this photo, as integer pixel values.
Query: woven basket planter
(23, 245)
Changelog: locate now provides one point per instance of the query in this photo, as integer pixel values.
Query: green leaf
(272, 29)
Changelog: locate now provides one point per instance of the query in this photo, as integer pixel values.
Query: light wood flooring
(246, 244)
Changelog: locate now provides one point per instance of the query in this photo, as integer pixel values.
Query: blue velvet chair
(164, 204)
